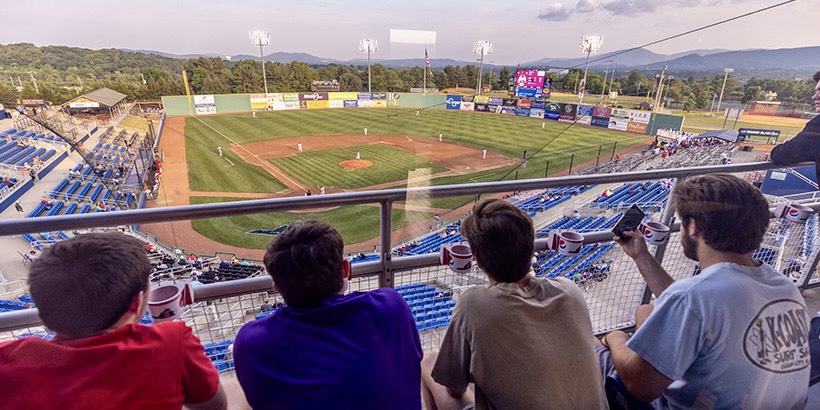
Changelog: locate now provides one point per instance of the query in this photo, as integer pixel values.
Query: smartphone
(629, 222)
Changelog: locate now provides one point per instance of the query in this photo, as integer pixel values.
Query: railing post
(666, 219)
(386, 276)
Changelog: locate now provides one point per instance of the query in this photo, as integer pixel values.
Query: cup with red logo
(567, 243)
(793, 212)
(458, 256)
(654, 232)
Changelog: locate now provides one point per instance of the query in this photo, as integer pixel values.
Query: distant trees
(63, 73)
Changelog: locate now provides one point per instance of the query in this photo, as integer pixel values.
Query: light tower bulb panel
(260, 38)
(483, 47)
(368, 45)
(591, 44)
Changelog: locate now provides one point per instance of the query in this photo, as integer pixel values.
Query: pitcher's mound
(356, 164)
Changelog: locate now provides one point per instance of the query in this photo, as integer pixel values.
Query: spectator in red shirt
(92, 291)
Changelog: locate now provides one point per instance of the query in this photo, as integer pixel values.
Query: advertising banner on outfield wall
(568, 112)
(482, 99)
(379, 96)
(342, 96)
(468, 98)
(379, 103)
(522, 112)
(636, 127)
(552, 111)
(523, 103)
(205, 104)
(496, 101)
(482, 107)
(539, 105)
(453, 102)
(317, 104)
(290, 97)
(259, 102)
(639, 116)
(584, 114)
(351, 104)
(536, 113)
(599, 111)
(365, 96)
(467, 105)
(312, 96)
(602, 122)
(365, 103)
(619, 119)
(336, 104)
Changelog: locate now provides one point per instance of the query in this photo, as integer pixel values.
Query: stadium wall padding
(226, 103)
(666, 121)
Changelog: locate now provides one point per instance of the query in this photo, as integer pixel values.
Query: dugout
(102, 103)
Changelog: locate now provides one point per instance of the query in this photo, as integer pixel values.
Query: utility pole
(658, 93)
(726, 72)
(34, 80)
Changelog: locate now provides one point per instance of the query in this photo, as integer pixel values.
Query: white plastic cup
(568, 243)
(458, 256)
(795, 212)
(655, 233)
(165, 303)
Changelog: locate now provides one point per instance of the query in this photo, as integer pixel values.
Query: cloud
(586, 6)
(555, 12)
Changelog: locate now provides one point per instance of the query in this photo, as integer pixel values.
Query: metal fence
(220, 309)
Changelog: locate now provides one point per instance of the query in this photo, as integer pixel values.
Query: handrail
(257, 206)
(383, 267)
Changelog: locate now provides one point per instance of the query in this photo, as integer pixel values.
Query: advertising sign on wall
(552, 111)
(467, 105)
(312, 96)
(290, 97)
(536, 113)
(584, 114)
(205, 104)
(336, 104)
(351, 104)
(496, 101)
(529, 83)
(524, 103)
(453, 102)
(568, 112)
(522, 112)
(481, 107)
(342, 96)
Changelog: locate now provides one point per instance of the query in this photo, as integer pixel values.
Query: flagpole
(425, 71)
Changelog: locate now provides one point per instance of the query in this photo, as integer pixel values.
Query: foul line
(265, 163)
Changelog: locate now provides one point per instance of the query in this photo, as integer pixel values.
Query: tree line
(58, 74)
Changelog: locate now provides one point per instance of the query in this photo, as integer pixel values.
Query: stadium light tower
(589, 45)
(368, 46)
(726, 72)
(482, 48)
(261, 39)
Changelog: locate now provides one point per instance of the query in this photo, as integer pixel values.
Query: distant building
(765, 107)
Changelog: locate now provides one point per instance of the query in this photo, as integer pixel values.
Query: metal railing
(611, 303)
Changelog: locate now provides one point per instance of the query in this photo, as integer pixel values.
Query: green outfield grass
(355, 223)
(698, 122)
(209, 172)
(315, 168)
(505, 134)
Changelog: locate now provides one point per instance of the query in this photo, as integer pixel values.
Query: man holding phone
(700, 346)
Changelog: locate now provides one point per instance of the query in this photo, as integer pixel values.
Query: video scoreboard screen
(529, 83)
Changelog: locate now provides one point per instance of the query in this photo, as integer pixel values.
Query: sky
(520, 30)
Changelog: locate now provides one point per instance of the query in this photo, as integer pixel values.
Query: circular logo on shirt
(777, 339)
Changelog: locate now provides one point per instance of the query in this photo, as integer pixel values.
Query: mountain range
(775, 63)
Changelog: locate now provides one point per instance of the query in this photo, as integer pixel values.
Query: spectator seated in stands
(805, 146)
(92, 291)
(524, 341)
(359, 350)
(697, 346)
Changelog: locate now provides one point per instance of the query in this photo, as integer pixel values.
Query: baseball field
(261, 158)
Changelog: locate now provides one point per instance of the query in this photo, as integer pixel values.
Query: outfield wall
(633, 121)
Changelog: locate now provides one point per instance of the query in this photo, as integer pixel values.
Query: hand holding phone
(629, 222)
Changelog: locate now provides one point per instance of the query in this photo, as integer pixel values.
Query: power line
(651, 43)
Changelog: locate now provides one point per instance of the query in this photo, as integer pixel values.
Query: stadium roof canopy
(104, 96)
(728, 135)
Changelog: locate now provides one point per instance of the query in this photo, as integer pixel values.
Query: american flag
(427, 60)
